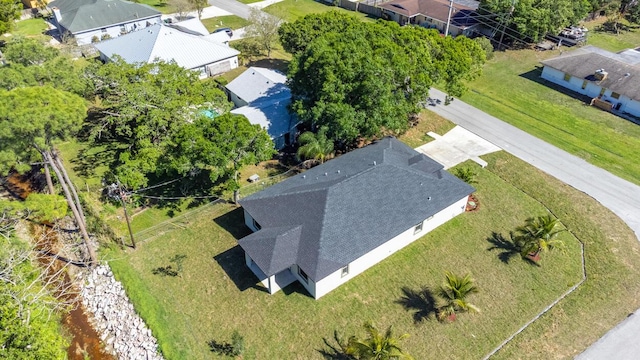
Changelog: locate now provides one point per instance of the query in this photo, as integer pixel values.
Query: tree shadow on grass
(233, 222)
(233, 263)
(508, 248)
(535, 76)
(421, 301)
(334, 351)
(277, 64)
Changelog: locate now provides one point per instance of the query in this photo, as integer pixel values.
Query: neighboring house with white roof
(330, 223)
(87, 20)
(612, 80)
(262, 96)
(166, 43)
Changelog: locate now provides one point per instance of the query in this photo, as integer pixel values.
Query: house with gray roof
(263, 97)
(612, 80)
(162, 42)
(334, 221)
(434, 14)
(88, 20)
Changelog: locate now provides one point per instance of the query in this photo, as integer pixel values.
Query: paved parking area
(457, 146)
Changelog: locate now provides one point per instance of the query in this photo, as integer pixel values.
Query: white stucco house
(87, 20)
(167, 43)
(327, 225)
(263, 97)
(433, 14)
(612, 80)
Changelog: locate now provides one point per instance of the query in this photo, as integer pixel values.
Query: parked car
(225, 29)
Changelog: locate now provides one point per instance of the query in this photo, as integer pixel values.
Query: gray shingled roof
(623, 69)
(435, 9)
(330, 215)
(83, 15)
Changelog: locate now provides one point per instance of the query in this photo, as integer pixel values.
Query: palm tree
(538, 234)
(315, 146)
(454, 291)
(377, 346)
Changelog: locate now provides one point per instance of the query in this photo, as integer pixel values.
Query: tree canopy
(31, 119)
(9, 12)
(155, 115)
(361, 79)
(531, 20)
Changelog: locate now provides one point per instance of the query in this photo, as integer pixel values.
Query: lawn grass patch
(218, 294)
(609, 41)
(291, 10)
(162, 6)
(429, 121)
(611, 291)
(230, 21)
(511, 89)
(30, 27)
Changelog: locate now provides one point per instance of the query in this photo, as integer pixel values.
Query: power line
(176, 197)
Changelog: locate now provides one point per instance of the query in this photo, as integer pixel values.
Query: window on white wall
(345, 271)
(303, 275)
(256, 225)
(584, 84)
(567, 77)
(615, 95)
(418, 228)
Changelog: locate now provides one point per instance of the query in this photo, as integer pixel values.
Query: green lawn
(429, 121)
(290, 10)
(612, 42)
(612, 251)
(511, 90)
(231, 21)
(218, 294)
(30, 27)
(160, 5)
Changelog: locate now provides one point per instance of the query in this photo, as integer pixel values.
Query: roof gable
(259, 84)
(435, 9)
(354, 203)
(168, 44)
(79, 16)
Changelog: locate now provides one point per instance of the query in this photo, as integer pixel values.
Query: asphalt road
(235, 7)
(620, 196)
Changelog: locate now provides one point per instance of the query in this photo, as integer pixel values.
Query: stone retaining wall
(121, 329)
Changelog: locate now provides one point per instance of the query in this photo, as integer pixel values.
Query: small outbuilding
(327, 225)
(263, 97)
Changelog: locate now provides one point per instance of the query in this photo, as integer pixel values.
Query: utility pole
(446, 30)
(504, 26)
(126, 213)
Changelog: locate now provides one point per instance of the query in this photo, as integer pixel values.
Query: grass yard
(429, 121)
(161, 5)
(511, 89)
(291, 10)
(218, 294)
(230, 21)
(612, 251)
(30, 27)
(610, 41)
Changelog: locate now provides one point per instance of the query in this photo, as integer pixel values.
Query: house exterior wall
(219, 67)
(383, 251)
(115, 30)
(248, 220)
(591, 89)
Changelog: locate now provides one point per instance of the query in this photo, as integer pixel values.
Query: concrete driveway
(457, 146)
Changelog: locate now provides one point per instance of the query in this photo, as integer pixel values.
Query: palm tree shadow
(421, 301)
(334, 352)
(508, 247)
